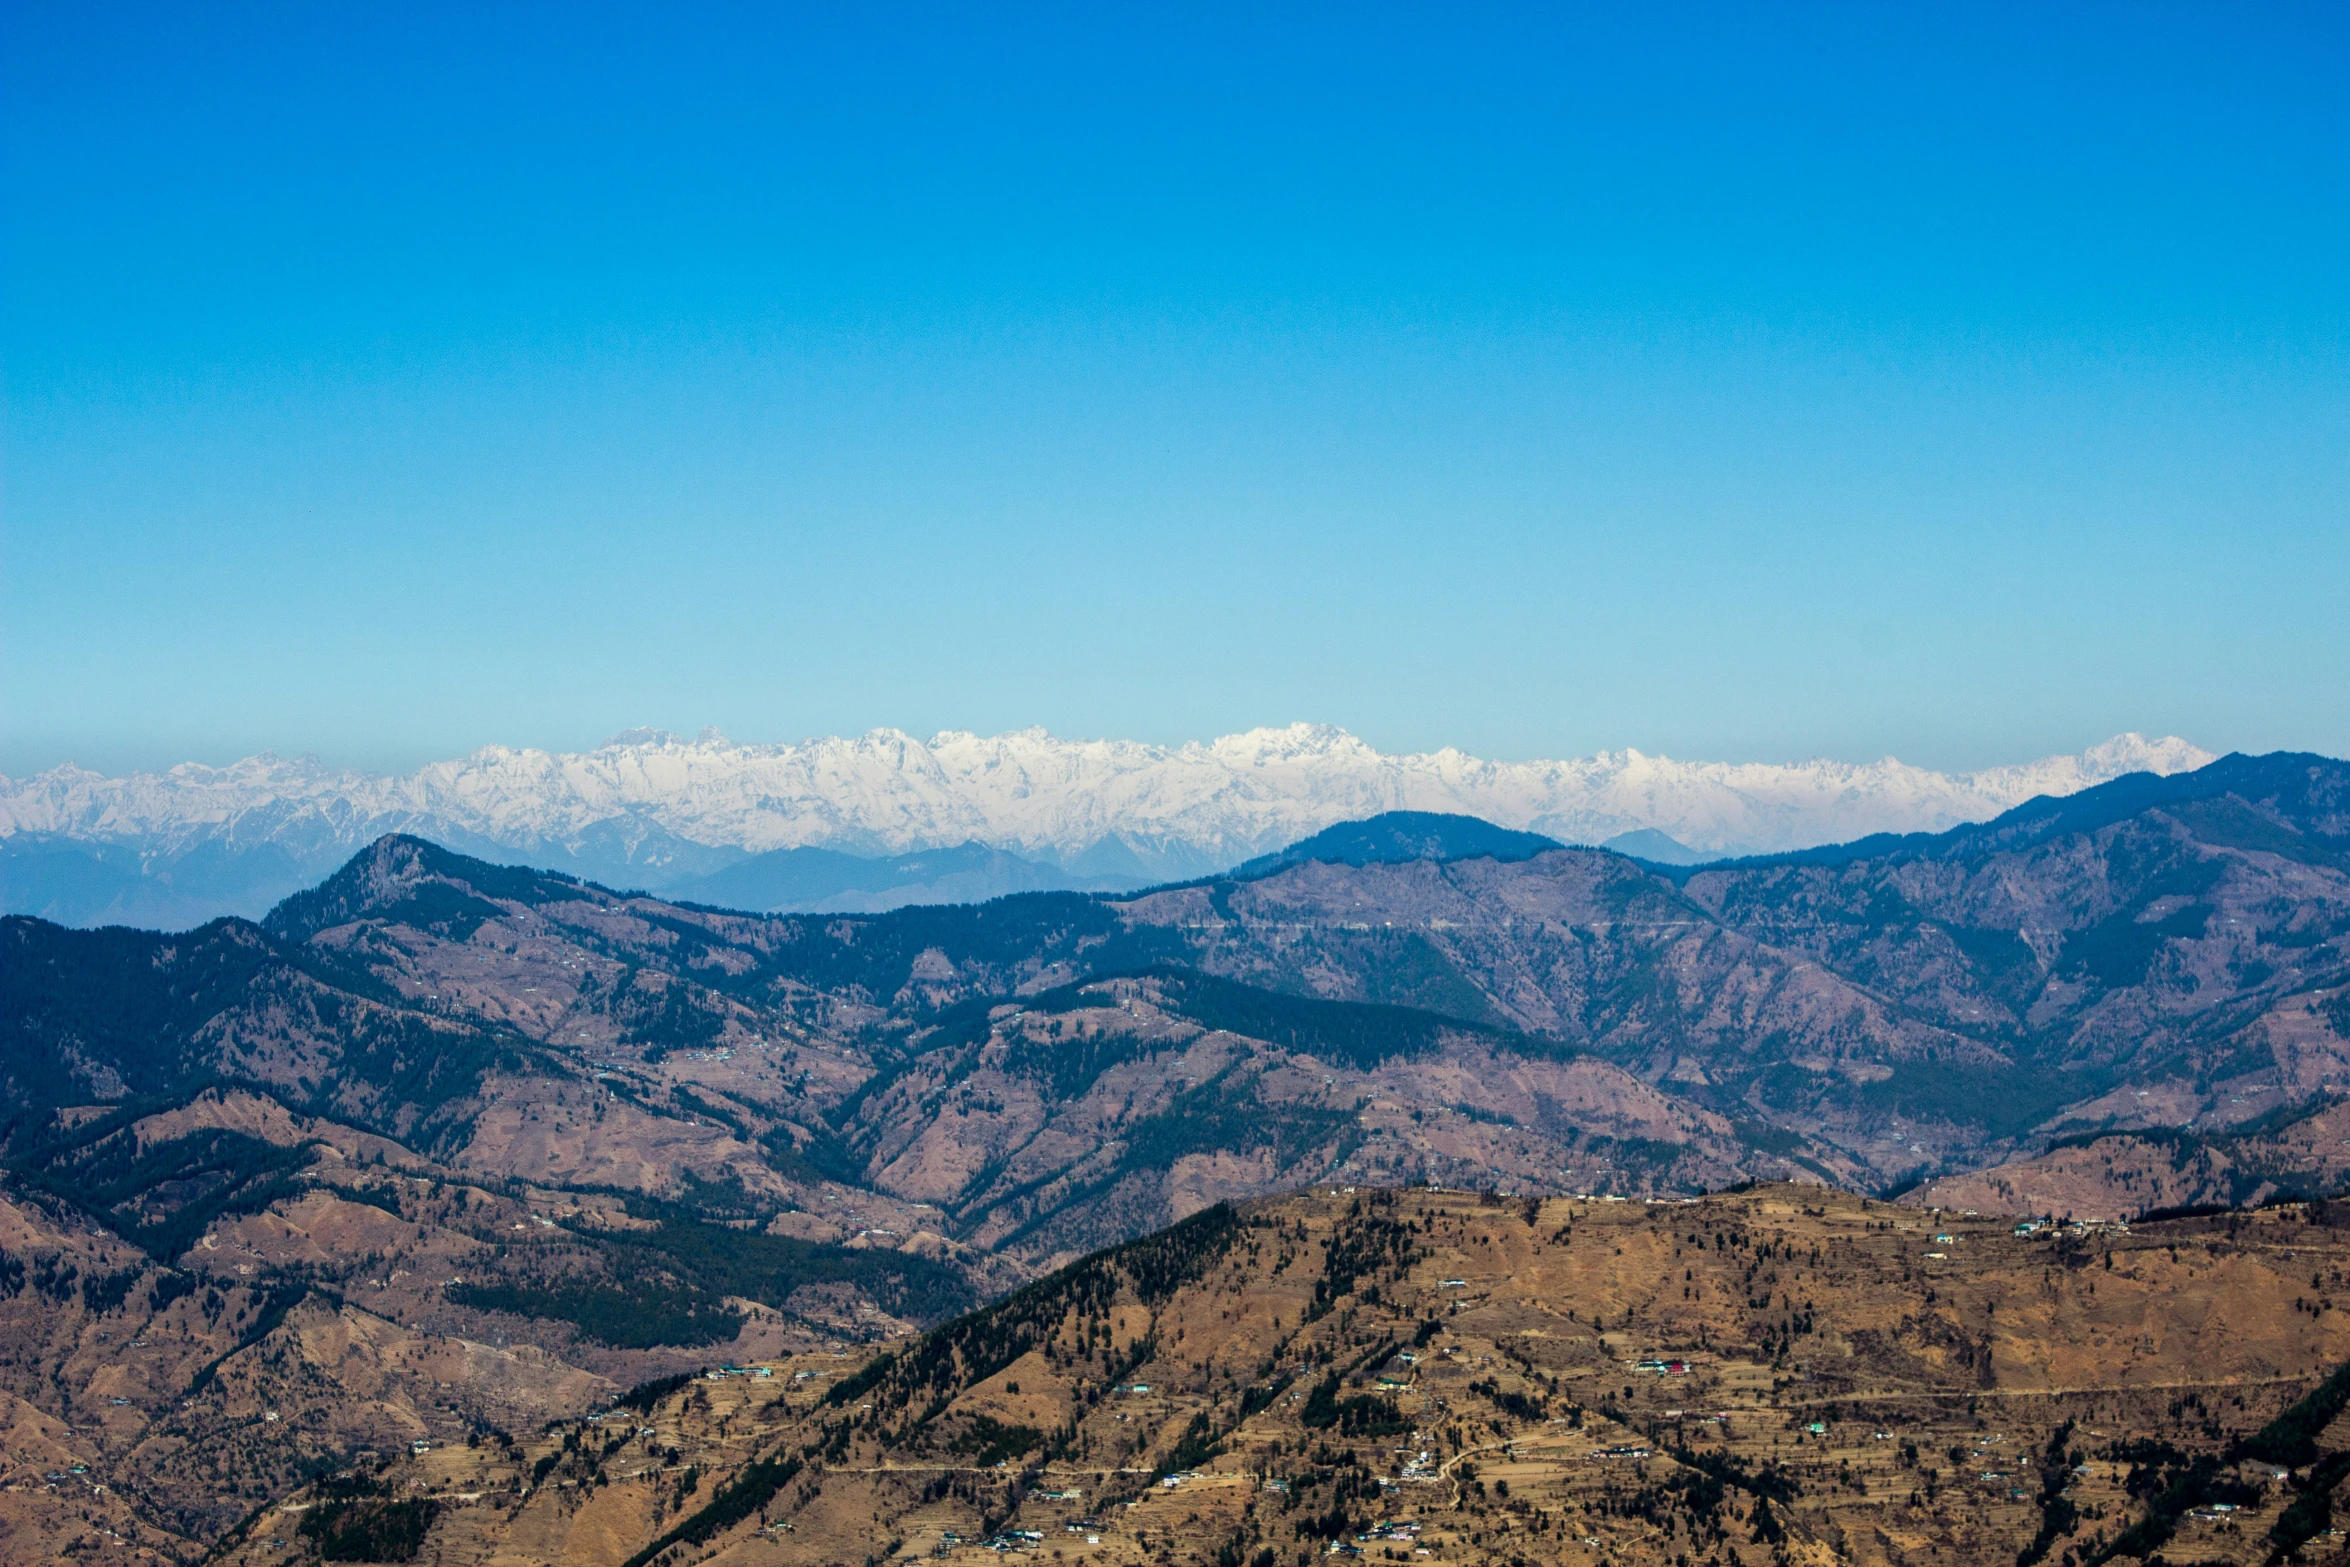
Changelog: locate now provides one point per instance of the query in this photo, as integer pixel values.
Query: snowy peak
(1178, 810)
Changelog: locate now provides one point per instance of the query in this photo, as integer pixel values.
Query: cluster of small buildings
(2070, 1227)
(1014, 1540)
(1008, 1540)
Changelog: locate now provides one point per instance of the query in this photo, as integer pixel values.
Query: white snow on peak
(1216, 802)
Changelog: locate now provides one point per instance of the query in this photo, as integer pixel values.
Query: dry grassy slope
(323, 1309)
(167, 1407)
(1578, 944)
(677, 1079)
(2180, 944)
(1780, 992)
(2169, 964)
(702, 1071)
(2124, 1174)
(60, 1368)
(1935, 1382)
(336, 1232)
(1585, 947)
(1017, 1158)
(1010, 1155)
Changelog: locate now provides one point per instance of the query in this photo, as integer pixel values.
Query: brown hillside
(1776, 1375)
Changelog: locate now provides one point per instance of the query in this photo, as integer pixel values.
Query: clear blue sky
(1965, 382)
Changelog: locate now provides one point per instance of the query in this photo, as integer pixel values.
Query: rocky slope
(202, 1306)
(2149, 953)
(2297, 1150)
(650, 810)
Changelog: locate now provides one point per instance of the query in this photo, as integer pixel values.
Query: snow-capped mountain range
(654, 809)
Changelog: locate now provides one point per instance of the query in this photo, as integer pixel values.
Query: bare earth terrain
(1776, 1375)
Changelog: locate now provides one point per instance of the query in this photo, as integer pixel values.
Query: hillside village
(1776, 1375)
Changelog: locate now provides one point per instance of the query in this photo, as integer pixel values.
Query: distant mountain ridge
(2299, 791)
(652, 810)
(1393, 837)
(2149, 953)
(826, 881)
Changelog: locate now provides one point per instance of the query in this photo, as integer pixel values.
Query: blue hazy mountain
(826, 881)
(1658, 848)
(1393, 837)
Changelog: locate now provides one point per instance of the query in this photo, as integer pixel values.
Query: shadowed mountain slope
(2149, 951)
(2288, 802)
(1395, 836)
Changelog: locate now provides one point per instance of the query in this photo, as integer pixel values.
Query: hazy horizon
(642, 733)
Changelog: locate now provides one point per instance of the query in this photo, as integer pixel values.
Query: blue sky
(1960, 382)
